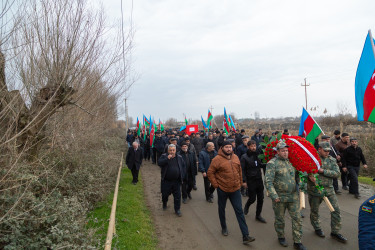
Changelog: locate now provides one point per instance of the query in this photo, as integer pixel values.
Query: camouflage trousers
(315, 202)
(294, 212)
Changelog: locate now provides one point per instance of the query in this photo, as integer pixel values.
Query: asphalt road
(199, 226)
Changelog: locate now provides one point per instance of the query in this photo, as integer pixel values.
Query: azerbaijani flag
(147, 122)
(365, 82)
(161, 127)
(186, 121)
(225, 123)
(152, 134)
(138, 128)
(308, 127)
(204, 124)
(209, 118)
(232, 123)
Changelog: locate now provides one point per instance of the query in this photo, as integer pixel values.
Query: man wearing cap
(252, 178)
(281, 183)
(328, 170)
(159, 145)
(190, 160)
(336, 137)
(225, 174)
(173, 171)
(205, 158)
(172, 140)
(332, 153)
(351, 160)
(340, 147)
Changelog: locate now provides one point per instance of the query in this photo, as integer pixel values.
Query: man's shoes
(260, 219)
(195, 187)
(338, 192)
(247, 239)
(357, 196)
(283, 242)
(345, 188)
(339, 237)
(299, 246)
(189, 195)
(164, 206)
(302, 215)
(224, 232)
(178, 213)
(246, 210)
(210, 200)
(320, 233)
(184, 201)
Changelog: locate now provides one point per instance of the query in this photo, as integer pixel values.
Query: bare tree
(59, 55)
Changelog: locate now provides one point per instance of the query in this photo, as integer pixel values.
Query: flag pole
(372, 42)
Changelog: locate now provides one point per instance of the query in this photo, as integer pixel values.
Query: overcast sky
(245, 55)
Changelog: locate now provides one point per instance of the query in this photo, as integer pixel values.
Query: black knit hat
(226, 143)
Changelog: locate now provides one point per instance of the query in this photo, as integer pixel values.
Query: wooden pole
(329, 205)
(111, 227)
(302, 203)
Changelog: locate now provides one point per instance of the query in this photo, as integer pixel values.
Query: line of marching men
(232, 170)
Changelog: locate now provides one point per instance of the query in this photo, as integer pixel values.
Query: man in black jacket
(133, 160)
(252, 177)
(159, 145)
(205, 158)
(190, 160)
(173, 171)
(351, 161)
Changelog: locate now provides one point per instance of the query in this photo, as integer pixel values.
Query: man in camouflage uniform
(281, 184)
(327, 172)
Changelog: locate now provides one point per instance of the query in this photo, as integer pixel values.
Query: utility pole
(211, 108)
(126, 117)
(305, 85)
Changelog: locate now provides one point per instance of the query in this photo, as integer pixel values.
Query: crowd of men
(230, 165)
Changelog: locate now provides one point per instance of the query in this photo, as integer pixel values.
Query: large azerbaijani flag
(209, 119)
(147, 122)
(365, 82)
(308, 127)
(232, 124)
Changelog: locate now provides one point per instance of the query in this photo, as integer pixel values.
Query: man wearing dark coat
(190, 160)
(133, 160)
(173, 171)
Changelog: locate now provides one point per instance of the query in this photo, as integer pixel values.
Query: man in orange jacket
(225, 174)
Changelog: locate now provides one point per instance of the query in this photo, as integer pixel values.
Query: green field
(134, 226)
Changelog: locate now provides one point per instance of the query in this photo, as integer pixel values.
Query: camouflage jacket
(280, 180)
(331, 170)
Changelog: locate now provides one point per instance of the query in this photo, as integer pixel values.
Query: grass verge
(366, 180)
(134, 226)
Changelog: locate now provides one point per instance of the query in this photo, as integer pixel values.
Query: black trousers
(153, 155)
(135, 173)
(147, 154)
(236, 201)
(335, 184)
(208, 188)
(171, 187)
(353, 178)
(344, 178)
(187, 186)
(256, 192)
